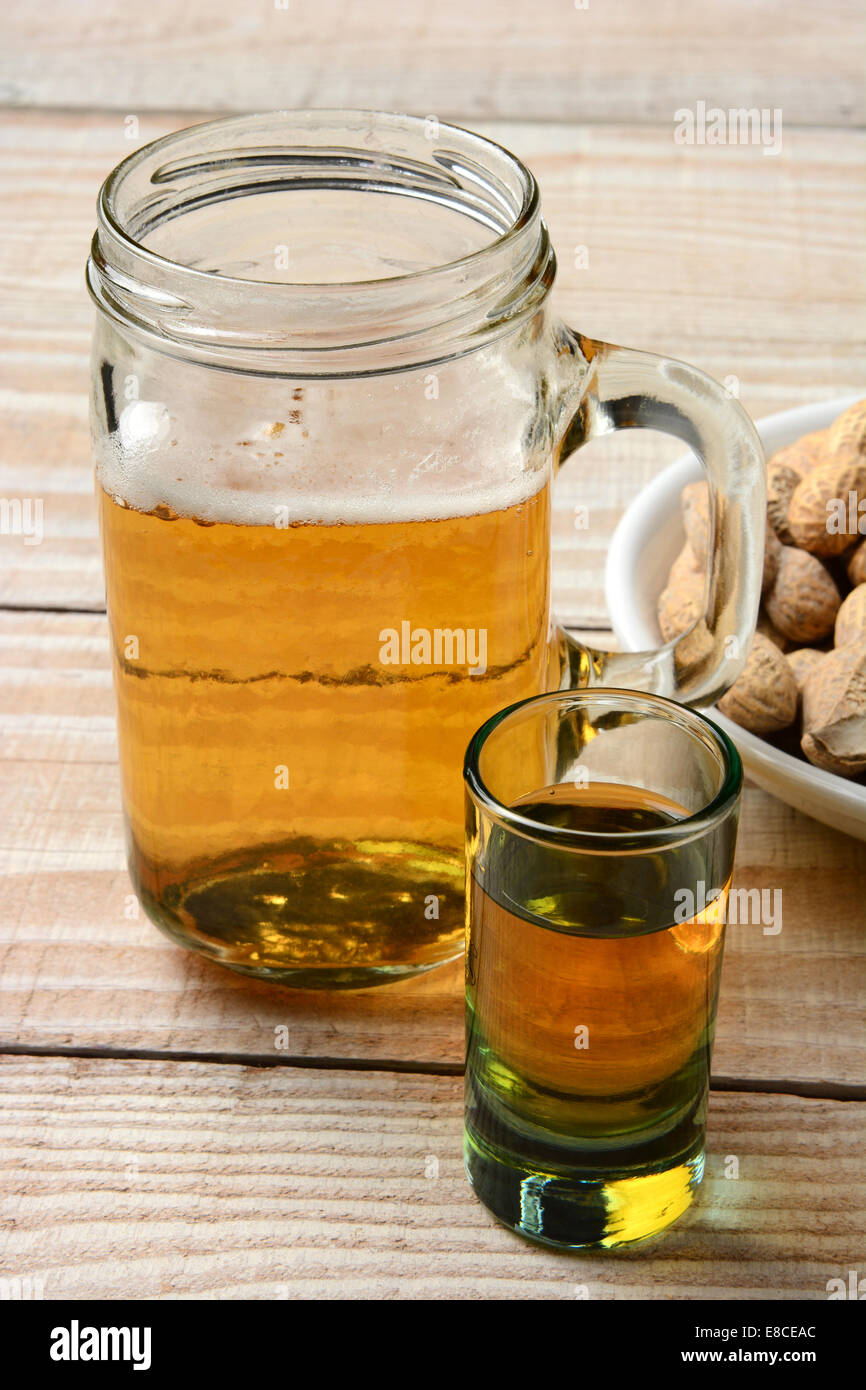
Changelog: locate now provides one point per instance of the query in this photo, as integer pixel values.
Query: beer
(294, 700)
(591, 1010)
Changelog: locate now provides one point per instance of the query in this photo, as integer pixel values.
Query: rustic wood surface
(191, 1180)
(576, 60)
(220, 1166)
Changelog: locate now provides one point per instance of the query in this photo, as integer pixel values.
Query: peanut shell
(681, 605)
(851, 619)
(782, 479)
(763, 698)
(696, 519)
(849, 431)
(803, 601)
(834, 712)
(684, 567)
(819, 513)
(803, 662)
(857, 564)
(804, 454)
(772, 556)
(766, 629)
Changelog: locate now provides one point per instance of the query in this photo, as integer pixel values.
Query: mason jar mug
(330, 396)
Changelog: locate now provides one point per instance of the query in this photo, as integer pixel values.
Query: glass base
(314, 915)
(602, 1212)
(304, 976)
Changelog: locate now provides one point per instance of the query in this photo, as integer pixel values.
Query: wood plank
(552, 60)
(155, 1180)
(78, 970)
(714, 255)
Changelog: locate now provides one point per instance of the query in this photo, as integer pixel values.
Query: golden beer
(293, 706)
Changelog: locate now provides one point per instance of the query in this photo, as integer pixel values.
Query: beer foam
(273, 477)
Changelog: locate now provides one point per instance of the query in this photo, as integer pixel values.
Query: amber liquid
(590, 1017)
(294, 804)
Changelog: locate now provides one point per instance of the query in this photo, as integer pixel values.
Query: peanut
(857, 564)
(782, 479)
(680, 607)
(851, 619)
(684, 567)
(803, 601)
(765, 627)
(819, 514)
(834, 712)
(764, 696)
(804, 454)
(696, 519)
(848, 433)
(772, 556)
(803, 662)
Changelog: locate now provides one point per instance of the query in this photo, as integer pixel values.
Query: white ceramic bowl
(644, 545)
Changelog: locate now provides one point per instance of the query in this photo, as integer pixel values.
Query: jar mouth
(263, 237)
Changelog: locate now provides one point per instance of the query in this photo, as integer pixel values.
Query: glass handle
(625, 389)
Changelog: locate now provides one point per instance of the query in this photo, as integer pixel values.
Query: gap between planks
(200, 114)
(810, 1090)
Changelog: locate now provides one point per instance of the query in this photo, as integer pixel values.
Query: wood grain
(78, 967)
(553, 60)
(159, 1180)
(188, 1178)
(717, 256)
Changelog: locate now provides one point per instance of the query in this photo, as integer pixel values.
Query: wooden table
(156, 1142)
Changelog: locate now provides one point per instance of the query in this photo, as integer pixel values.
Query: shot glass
(601, 828)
